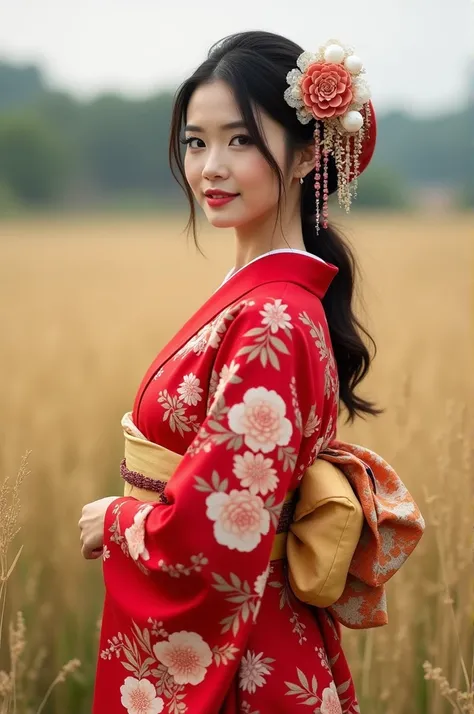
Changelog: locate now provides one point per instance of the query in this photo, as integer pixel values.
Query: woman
(199, 616)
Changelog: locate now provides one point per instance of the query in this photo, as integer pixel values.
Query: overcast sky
(415, 51)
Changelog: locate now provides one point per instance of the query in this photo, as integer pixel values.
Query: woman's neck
(260, 237)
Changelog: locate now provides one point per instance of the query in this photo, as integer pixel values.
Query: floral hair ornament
(329, 87)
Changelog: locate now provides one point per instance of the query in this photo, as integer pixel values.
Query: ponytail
(352, 355)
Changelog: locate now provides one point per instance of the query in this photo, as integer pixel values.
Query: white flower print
(261, 581)
(211, 334)
(105, 553)
(247, 709)
(227, 375)
(275, 317)
(261, 419)
(255, 472)
(186, 656)
(313, 423)
(257, 610)
(323, 657)
(135, 535)
(190, 390)
(200, 342)
(296, 404)
(253, 670)
(330, 703)
(218, 327)
(326, 355)
(228, 372)
(240, 519)
(175, 571)
(139, 697)
(175, 413)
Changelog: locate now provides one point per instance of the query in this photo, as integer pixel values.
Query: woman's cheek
(193, 174)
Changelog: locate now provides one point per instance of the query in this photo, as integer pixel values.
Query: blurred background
(96, 273)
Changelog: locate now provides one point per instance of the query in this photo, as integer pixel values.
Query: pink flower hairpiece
(329, 87)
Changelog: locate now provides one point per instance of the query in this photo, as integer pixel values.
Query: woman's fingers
(90, 553)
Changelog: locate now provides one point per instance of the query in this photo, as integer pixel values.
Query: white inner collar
(233, 272)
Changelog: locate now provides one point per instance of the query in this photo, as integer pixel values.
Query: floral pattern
(253, 670)
(287, 601)
(234, 400)
(330, 703)
(245, 602)
(255, 472)
(175, 571)
(240, 519)
(331, 700)
(135, 535)
(228, 375)
(211, 334)
(139, 697)
(175, 413)
(186, 657)
(261, 581)
(189, 390)
(261, 419)
(264, 344)
(275, 316)
(326, 356)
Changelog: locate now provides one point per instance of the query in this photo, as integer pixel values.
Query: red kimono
(196, 618)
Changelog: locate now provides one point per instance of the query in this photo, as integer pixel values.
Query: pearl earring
(301, 180)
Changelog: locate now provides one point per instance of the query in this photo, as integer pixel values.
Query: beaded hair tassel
(329, 88)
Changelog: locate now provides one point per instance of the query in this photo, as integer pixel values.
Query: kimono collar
(310, 256)
(282, 266)
(312, 275)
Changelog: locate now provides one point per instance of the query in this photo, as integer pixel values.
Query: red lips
(219, 193)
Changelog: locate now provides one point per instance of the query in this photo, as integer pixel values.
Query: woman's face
(220, 156)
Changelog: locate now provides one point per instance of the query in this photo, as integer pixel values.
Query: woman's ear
(305, 161)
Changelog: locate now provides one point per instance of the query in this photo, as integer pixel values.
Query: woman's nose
(214, 168)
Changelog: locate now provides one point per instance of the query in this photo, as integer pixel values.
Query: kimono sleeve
(197, 566)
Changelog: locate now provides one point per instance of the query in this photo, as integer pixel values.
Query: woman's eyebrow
(231, 125)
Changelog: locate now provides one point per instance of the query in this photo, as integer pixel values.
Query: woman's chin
(222, 221)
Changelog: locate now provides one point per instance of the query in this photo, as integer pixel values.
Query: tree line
(58, 150)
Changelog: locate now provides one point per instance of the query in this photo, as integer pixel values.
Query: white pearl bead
(334, 54)
(353, 64)
(352, 122)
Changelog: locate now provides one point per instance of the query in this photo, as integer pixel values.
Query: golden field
(84, 306)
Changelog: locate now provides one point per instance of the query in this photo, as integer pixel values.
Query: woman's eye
(243, 140)
(191, 142)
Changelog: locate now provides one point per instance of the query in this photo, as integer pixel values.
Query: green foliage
(10, 204)
(19, 86)
(381, 187)
(114, 149)
(435, 150)
(32, 158)
(466, 196)
(124, 143)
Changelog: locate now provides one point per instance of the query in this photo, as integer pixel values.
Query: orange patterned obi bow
(392, 528)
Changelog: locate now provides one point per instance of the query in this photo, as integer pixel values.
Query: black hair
(254, 65)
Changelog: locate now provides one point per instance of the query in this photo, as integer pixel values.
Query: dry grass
(85, 305)
(22, 673)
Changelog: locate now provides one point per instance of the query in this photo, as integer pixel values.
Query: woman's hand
(91, 525)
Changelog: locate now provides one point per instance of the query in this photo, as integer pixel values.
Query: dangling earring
(301, 180)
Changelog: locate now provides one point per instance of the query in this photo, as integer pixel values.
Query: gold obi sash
(318, 536)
